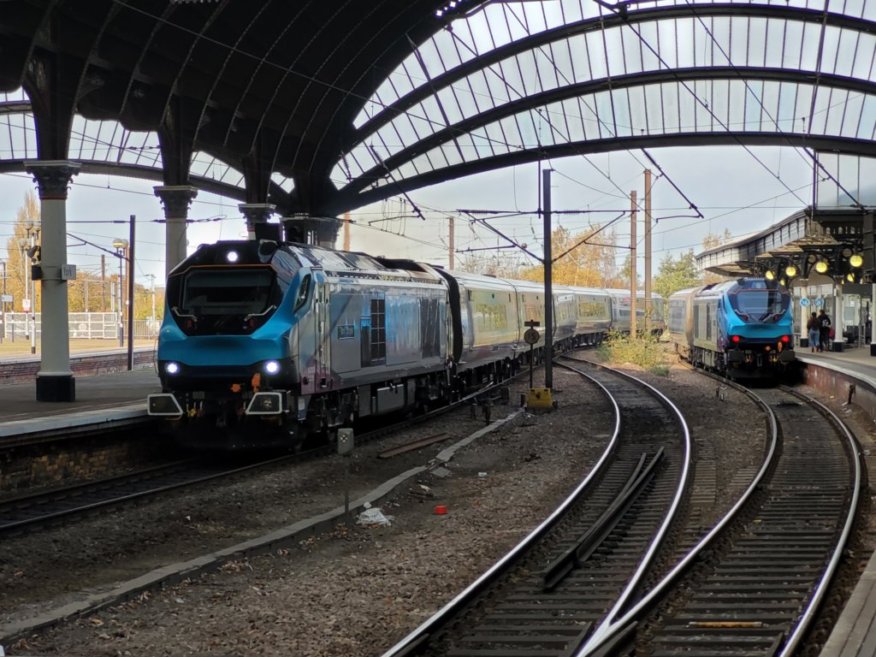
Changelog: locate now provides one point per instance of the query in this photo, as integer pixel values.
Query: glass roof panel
(17, 135)
(867, 124)
(830, 56)
(623, 125)
(864, 54)
(852, 118)
(480, 91)
(613, 44)
(16, 95)
(481, 141)
(533, 75)
(499, 93)
(757, 41)
(498, 142)
(753, 107)
(446, 50)
(809, 55)
(450, 99)
(666, 44)
(430, 59)
(207, 166)
(686, 32)
(770, 100)
(647, 34)
(595, 56)
(547, 66)
(108, 141)
(284, 183)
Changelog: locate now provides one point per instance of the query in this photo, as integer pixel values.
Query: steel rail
(821, 587)
(611, 621)
(622, 625)
(422, 633)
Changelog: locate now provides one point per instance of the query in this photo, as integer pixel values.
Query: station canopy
(324, 106)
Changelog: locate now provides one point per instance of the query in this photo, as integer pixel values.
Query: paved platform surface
(119, 396)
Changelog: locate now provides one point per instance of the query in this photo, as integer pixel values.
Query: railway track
(763, 585)
(577, 570)
(751, 585)
(30, 511)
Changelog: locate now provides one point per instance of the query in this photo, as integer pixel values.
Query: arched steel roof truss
(682, 74)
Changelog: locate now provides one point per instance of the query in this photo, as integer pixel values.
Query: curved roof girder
(640, 16)
(730, 74)
(394, 187)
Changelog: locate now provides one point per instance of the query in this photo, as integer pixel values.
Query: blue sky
(739, 190)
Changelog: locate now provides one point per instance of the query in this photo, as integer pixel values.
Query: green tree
(674, 275)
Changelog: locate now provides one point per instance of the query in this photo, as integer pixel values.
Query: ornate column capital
(52, 177)
(256, 213)
(176, 199)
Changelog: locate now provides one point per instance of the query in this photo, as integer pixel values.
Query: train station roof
(800, 240)
(325, 105)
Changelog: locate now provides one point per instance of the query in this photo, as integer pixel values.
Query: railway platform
(108, 399)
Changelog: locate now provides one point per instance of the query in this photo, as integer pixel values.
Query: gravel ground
(352, 590)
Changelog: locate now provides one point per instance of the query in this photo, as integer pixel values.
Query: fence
(90, 326)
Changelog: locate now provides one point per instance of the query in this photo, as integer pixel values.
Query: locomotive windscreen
(227, 291)
(759, 303)
(230, 300)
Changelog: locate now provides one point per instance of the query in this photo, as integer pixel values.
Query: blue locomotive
(741, 328)
(264, 342)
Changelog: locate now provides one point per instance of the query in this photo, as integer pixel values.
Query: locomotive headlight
(231, 256)
(171, 368)
(272, 367)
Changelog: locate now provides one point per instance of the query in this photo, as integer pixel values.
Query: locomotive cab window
(759, 304)
(228, 292)
(227, 300)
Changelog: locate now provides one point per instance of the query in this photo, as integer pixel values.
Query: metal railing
(88, 326)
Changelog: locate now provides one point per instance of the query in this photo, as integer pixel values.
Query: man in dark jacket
(823, 331)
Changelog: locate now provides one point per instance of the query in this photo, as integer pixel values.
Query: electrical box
(345, 441)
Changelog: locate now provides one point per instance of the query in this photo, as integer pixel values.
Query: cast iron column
(55, 380)
(176, 200)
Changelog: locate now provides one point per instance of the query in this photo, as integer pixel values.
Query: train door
(323, 344)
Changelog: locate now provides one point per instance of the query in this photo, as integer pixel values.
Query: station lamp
(856, 260)
(791, 270)
(821, 266)
(769, 275)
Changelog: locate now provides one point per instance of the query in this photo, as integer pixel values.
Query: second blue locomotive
(741, 328)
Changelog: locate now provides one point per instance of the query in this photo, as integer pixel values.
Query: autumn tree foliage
(18, 262)
(584, 259)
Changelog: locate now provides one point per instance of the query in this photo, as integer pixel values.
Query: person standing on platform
(813, 327)
(824, 330)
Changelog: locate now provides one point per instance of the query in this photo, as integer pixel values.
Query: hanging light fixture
(821, 266)
(791, 270)
(856, 260)
(769, 275)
